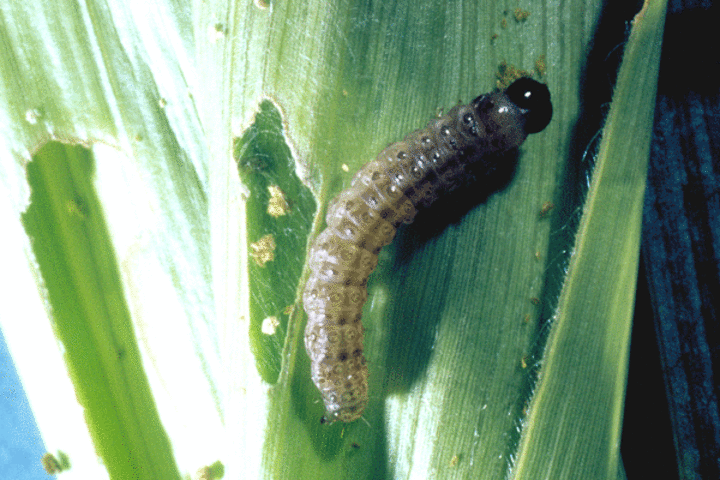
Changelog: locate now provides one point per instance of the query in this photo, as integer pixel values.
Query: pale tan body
(362, 219)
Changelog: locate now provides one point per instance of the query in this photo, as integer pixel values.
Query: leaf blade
(585, 362)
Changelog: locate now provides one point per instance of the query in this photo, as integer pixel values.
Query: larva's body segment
(385, 193)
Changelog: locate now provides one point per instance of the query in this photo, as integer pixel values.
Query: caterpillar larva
(384, 194)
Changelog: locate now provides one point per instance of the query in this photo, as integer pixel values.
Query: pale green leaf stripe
(574, 424)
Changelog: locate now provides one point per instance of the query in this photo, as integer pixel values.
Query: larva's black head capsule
(533, 98)
(508, 117)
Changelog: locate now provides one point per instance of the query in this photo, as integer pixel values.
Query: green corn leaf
(231, 126)
(578, 402)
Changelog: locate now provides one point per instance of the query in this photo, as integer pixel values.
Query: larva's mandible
(385, 193)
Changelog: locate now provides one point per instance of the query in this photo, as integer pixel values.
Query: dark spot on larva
(435, 159)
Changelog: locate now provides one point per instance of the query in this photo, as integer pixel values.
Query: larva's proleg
(385, 193)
